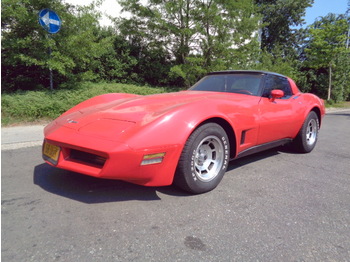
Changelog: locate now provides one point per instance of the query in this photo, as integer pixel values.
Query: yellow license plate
(51, 153)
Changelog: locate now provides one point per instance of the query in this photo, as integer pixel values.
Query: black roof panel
(244, 71)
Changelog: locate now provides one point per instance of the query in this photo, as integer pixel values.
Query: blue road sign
(50, 21)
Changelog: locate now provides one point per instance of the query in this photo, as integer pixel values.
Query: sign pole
(51, 75)
(51, 22)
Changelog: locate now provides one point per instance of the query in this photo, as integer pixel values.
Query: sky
(319, 8)
(323, 8)
(110, 7)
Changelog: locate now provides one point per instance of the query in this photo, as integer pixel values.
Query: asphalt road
(273, 206)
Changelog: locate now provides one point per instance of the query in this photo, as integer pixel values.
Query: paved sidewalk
(21, 136)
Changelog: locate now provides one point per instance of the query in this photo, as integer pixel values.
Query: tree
(163, 22)
(25, 45)
(198, 35)
(228, 33)
(152, 59)
(280, 21)
(327, 52)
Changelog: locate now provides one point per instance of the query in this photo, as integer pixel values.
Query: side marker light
(152, 159)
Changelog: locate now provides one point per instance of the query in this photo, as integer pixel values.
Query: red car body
(140, 139)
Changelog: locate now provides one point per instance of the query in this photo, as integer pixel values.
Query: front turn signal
(152, 159)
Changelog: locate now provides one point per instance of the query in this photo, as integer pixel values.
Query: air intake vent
(87, 158)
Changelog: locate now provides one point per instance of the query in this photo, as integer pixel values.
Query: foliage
(190, 71)
(328, 55)
(327, 39)
(281, 18)
(197, 36)
(270, 62)
(25, 45)
(171, 43)
(341, 80)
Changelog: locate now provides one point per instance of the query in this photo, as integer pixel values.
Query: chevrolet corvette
(187, 137)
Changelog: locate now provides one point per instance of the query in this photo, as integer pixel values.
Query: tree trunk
(330, 82)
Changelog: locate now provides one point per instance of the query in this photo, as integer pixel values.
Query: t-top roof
(245, 72)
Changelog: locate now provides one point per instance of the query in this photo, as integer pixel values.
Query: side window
(285, 87)
(277, 82)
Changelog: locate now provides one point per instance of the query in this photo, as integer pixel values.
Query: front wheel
(204, 159)
(308, 134)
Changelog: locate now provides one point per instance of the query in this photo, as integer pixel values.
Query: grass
(344, 104)
(43, 106)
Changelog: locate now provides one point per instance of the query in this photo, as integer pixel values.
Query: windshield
(232, 83)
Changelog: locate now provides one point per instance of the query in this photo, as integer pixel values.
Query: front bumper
(108, 159)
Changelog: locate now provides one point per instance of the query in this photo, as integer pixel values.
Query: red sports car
(186, 137)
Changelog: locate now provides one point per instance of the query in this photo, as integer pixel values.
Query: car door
(276, 118)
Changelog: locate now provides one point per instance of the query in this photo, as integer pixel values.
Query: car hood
(117, 116)
(135, 109)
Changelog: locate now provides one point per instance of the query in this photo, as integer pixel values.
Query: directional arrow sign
(50, 21)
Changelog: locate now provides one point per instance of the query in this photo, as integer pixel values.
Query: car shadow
(236, 163)
(93, 190)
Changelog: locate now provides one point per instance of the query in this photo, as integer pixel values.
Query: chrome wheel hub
(311, 132)
(209, 158)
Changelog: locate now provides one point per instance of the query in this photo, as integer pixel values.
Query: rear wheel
(204, 159)
(308, 134)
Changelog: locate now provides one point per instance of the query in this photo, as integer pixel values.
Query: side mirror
(276, 94)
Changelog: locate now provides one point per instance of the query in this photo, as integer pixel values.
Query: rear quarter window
(277, 82)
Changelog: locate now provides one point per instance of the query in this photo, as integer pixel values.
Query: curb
(336, 110)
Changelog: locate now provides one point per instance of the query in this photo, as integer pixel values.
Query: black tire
(307, 137)
(204, 159)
